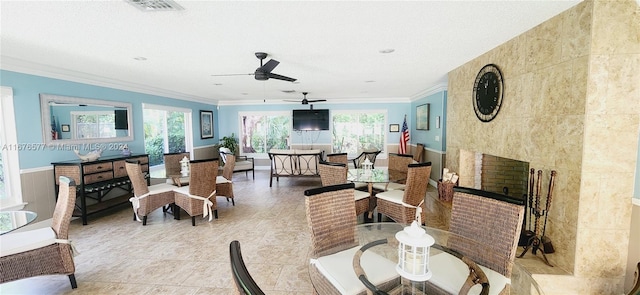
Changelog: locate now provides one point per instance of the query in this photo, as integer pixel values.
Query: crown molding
(340, 101)
(31, 68)
(429, 91)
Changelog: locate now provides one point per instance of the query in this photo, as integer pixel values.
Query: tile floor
(167, 256)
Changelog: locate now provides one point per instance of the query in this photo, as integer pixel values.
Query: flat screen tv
(310, 119)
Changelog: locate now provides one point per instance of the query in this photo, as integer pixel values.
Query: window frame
(383, 129)
(262, 113)
(10, 156)
(74, 122)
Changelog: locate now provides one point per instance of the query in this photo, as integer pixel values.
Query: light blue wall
(228, 119)
(26, 97)
(437, 108)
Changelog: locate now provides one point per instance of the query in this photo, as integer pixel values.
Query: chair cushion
(243, 165)
(221, 180)
(394, 196)
(183, 181)
(162, 188)
(450, 273)
(14, 243)
(392, 186)
(359, 195)
(225, 150)
(338, 269)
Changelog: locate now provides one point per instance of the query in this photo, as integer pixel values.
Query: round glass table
(12, 220)
(443, 263)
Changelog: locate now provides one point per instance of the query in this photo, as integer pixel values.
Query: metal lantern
(184, 165)
(413, 253)
(367, 166)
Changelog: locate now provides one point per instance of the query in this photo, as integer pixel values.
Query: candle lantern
(184, 165)
(367, 166)
(413, 253)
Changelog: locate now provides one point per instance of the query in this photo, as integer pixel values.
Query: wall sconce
(413, 253)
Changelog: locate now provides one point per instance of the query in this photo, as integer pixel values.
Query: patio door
(166, 130)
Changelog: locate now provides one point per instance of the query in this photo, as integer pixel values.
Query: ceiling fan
(305, 100)
(264, 71)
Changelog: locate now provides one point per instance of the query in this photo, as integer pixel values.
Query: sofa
(294, 163)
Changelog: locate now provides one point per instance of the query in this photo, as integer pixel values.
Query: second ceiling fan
(264, 71)
(305, 100)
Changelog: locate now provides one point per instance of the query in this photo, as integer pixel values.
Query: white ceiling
(332, 48)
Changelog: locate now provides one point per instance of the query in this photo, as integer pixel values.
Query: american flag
(404, 137)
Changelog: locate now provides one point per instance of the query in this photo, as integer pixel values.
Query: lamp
(413, 253)
(184, 165)
(367, 166)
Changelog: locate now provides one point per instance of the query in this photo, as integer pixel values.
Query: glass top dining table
(12, 220)
(519, 282)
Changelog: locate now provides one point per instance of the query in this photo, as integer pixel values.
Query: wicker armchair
(371, 155)
(417, 152)
(147, 198)
(338, 158)
(243, 163)
(491, 224)
(45, 251)
(331, 219)
(244, 283)
(199, 197)
(224, 185)
(336, 173)
(401, 205)
(398, 168)
(172, 167)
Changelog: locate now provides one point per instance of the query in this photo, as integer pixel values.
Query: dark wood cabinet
(100, 184)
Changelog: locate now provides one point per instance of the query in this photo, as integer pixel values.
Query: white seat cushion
(14, 243)
(338, 269)
(359, 195)
(160, 188)
(450, 273)
(183, 180)
(391, 186)
(243, 165)
(221, 180)
(391, 196)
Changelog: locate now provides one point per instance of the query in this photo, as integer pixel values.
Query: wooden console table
(96, 179)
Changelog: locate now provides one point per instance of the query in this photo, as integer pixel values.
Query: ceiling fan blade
(290, 100)
(280, 77)
(316, 100)
(224, 75)
(269, 66)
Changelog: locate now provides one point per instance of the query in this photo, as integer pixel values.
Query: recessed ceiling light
(370, 81)
(388, 50)
(140, 58)
(217, 84)
(244, 93)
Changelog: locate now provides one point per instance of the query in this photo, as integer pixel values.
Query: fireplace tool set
(538, 241)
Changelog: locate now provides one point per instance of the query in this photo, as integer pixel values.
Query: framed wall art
(394, 127)
(206, 124)
(422, 117)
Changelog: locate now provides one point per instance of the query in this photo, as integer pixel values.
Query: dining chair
(44, 251)
(635, 289)
(244, 283)
(336, 173)
(366, 154)
(172, 166)
(338, 158)
(224, 183)
(486, 229)
(331, 220)
(401, 205)
(199, 197)
(147, 198)
(417, 152)
(243, 163)
(398, 167)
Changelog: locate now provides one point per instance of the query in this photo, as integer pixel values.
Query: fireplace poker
(532, 179)
(546, 242)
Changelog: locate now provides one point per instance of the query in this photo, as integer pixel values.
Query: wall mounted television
(304, 120)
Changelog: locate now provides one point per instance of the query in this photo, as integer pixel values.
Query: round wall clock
(488, 90)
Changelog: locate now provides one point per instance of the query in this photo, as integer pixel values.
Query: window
(166, 130)
(10, 187)
(354, 131)
(263, 131)
(93, 124)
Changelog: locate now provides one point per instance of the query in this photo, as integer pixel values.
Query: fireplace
(501, 175)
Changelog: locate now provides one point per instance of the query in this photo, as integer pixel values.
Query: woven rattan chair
(172, 167)
(147, 198)
(199, 197)
(244, 283)
(491, 224)
(338, 158)
(336, 173)
(243, 163)
(401, 206)
(224, 184)
(417, 152)
(371, 155)
(398, 168)
(45, 251)
(332, 220)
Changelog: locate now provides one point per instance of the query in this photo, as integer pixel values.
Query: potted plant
(230, 142)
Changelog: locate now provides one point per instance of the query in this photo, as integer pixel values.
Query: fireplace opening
(501, 175)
